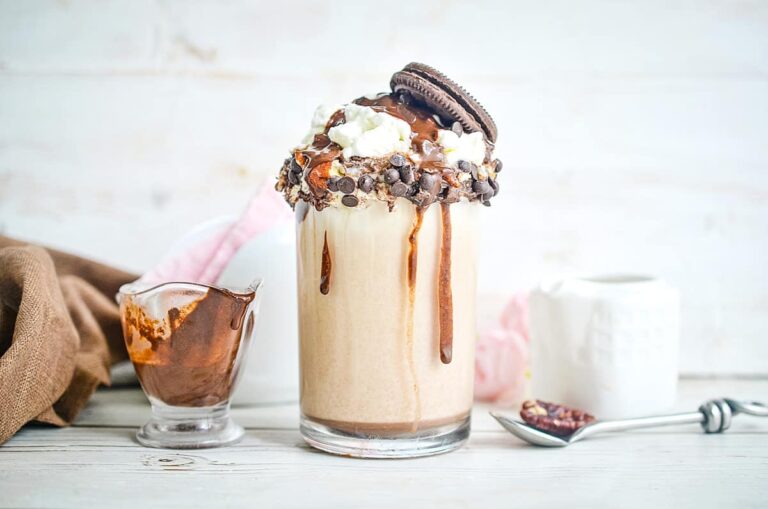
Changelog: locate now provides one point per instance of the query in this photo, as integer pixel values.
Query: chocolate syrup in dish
(192, 366)
(444, 293)
(325, 267)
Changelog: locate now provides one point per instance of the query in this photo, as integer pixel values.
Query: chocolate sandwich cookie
(427, 85)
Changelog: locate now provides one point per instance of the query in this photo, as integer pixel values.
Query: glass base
(424, 442)
(189, 427)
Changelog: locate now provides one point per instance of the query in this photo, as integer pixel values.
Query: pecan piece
(317, 178)
(553, 418)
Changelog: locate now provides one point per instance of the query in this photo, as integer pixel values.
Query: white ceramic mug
(605, 344)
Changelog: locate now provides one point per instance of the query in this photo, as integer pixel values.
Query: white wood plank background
(634, 134)
(98, 464)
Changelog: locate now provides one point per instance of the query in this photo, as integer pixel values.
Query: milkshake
(386, 191)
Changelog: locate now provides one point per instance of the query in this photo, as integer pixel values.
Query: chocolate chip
(494, 185)
(497, 165)
(365, 183)
(391, 176)
(399, 189)
(456, 128)
(350, 200)
(427, 182)
(293, 178)
(487, 203)
(295, 166)
(465, 166)
(333, 184)
(406, 174)
(481, 186)
(487, 196)
(397, 160)
(473, 170)
(346, 185)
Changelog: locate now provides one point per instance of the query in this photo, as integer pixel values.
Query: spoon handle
(643, 422)
(714, 416)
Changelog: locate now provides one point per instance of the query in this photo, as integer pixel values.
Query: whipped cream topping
(370, 133)
(467, 147)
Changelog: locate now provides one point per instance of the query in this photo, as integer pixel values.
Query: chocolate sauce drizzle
(424, 128)
(413, 255)
(325, 267)
(413, 251)
(444, 293)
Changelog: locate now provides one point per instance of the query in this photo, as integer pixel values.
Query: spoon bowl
(530, 434)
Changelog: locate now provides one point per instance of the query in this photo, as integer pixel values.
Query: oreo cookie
(429, 86)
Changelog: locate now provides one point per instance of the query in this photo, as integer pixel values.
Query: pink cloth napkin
(206, 260)
(501, 362)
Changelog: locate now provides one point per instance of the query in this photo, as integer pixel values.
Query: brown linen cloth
(59, 333)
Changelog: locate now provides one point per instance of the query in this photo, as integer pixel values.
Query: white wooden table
(97, 463)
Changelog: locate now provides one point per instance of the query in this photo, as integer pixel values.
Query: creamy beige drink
(370, 346)
(386, 191)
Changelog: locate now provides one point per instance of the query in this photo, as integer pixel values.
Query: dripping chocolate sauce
(413, 256)
(444, 293)
(413, 252)
(325, 267)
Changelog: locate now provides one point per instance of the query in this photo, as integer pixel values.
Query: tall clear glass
(387, 327)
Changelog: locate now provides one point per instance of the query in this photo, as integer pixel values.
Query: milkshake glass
(386, 267)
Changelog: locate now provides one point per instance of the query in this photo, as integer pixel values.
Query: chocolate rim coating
(444, 95)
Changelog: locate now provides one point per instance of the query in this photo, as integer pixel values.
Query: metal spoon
(714, 416)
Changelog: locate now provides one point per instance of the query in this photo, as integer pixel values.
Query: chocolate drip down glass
(187, 343)
(387, 327)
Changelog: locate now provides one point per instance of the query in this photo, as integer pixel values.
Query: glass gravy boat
(187, 342)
